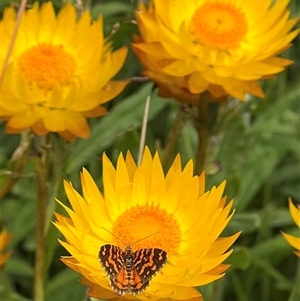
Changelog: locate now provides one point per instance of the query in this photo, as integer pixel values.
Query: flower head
(143, 208)
(294, 241)
(58, 72)
(216, 43)
(5, 237)
(173, 86)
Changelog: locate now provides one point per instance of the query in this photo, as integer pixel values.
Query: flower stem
(59, 159)
(42, 170)
(202, 128)
(174, 133)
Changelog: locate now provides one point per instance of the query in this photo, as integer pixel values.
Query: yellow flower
(294, 241)
(172, 86)
(58, 72)
(231, 44)
(143, 208)
(5, 237)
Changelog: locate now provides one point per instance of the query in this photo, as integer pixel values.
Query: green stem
(61, 151)
(174, 133)
(202, 128)
(42, 170)
(60, 154)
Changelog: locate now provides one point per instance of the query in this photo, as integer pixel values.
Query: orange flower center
(47, 65)
(148, 226)
(219, 25)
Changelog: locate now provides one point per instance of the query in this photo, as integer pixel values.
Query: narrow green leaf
(268, 269)
(240, 258)
(65, 284)
(275, 249)
(19, 267)
(125, 116)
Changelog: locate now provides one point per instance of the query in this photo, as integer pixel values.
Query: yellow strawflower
(170, 215)
(171, 86)
(58, 72)
(216, 43)
(292, 240)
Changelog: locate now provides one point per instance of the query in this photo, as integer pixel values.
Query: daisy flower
(58, 73)
(211, 43)
(168, 222)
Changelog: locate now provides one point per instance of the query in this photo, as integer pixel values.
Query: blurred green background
(255, 147)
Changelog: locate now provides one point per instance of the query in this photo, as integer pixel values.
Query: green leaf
(23, 224)
(274, 249)
(245, 222)
(295, 294)
(65, 284)
(19, 267)
(111, 8)
(7, 292)
(125, 116)
(240, 258)
(269, 270)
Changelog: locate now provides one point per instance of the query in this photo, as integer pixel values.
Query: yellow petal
(293, 241)
(295, 212)
(47, 23)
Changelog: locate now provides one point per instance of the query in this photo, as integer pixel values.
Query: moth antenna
(115, 236)
(134, 242)
(145, 238)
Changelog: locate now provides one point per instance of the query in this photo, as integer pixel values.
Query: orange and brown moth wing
(148, 262)
(137, 285)
(128, 282)
(120, 284)
(111, 259)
